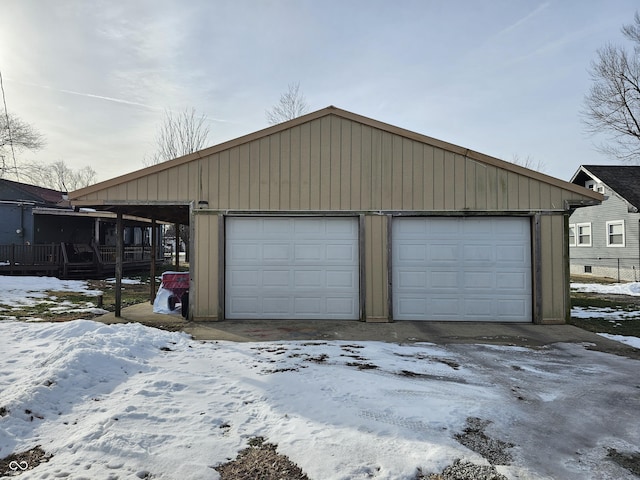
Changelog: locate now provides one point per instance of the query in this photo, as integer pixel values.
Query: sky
(503, 77)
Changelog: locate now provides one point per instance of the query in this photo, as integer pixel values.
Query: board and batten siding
(335, 162)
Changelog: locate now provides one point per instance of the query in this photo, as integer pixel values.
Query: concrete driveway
(526, 335)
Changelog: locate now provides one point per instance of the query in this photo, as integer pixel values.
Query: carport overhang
(177, 213)
(171, 212)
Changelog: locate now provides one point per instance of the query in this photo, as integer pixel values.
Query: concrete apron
(517, 334)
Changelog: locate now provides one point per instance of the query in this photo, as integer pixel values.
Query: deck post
(119, 255)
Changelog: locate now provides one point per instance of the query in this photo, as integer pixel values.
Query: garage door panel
(275, 278)
(478, 253)
(517, 281)
(295, 267)
(476, 227)
(409, 252)
(275, 227)
(411, 306)
(341, 279)
(308, 306)
(341, 228)
(346, 252)
(341, 306)
(441, 279)
(482, 308)
(512, 253)
(276, 306)
(416, 279)
(506, 308)
(307, 228)
(444, 306)
(475, 269)
(244, 252)
(309, 253)
(245, 278)
(443, 252)
(244, 305)
(479, 281)
(308, 278)
(276, 252)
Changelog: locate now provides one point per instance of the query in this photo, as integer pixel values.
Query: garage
(291, 268)
(333, 215)
(462, 269)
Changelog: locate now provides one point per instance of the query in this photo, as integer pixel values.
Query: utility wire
(13, 153)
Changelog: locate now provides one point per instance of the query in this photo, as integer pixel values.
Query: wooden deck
(67, 260)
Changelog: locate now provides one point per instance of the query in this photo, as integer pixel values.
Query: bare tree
(57, 176)
(180, 134)
(292, 104)
(612, 106)
(529, 162)
(15, 135)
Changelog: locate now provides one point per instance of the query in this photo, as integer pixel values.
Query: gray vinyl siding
(621, 263)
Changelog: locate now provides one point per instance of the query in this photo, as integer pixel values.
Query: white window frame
(593, 185)
(608, 233)
(574, 243)
(578, 227)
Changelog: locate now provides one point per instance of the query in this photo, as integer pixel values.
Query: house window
(587, 269)
(583, 231)
(572, 235)
(615, 233)
(592, 185)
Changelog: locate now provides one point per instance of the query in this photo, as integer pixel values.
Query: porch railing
(22, 257)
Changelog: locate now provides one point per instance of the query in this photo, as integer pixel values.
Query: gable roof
(622, 179)
(17, 191)
(331, 110)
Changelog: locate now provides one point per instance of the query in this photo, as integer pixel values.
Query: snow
(126, 281)
(632, 288)
(23, 292)
(119, 400)
(129, 401)
(632, 341)
(28, 291)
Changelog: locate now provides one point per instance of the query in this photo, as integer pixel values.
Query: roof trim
(331, 110)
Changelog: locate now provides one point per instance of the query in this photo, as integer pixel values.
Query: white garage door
(465, 269)
(292, 267)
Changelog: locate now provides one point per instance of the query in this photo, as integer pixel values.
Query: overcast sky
(503, 77)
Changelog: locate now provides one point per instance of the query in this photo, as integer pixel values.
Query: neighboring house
(39, 223)
(604, 239)
(334, 215)
(17, 204)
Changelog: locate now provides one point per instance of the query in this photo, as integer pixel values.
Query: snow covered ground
(129, 401)
(615, 316)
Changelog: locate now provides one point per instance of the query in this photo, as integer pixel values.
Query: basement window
(587, 269)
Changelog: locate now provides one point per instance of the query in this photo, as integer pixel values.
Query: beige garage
(332, 166)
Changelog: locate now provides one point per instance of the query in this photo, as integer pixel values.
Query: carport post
(119, 255)
(176, 228)
(154, 253)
